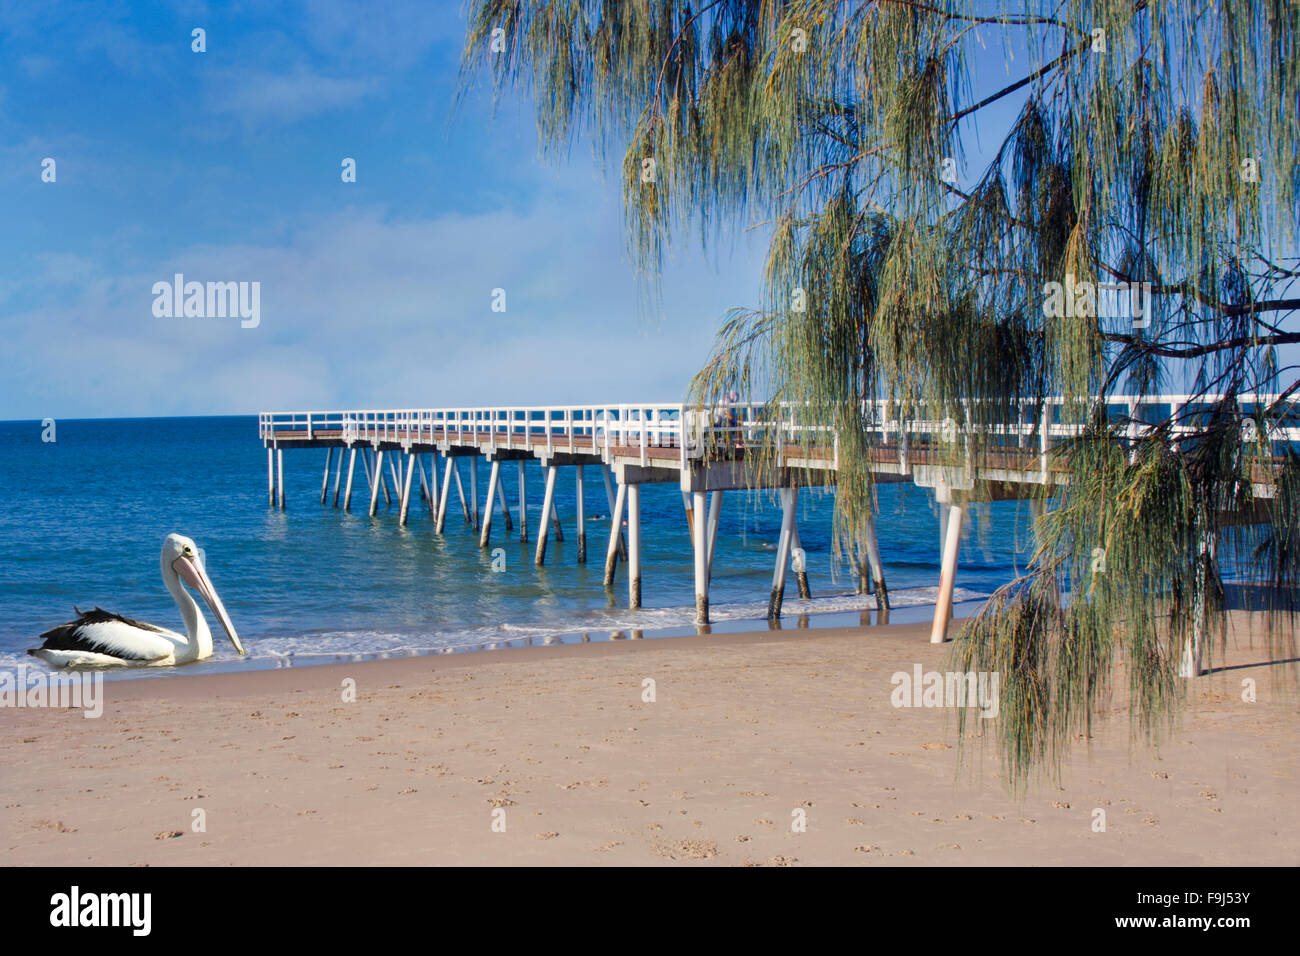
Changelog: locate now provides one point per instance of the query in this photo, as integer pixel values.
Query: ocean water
(82, 520)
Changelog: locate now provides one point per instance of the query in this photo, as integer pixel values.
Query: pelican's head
(180, 555)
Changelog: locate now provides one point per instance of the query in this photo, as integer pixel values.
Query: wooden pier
(702, 450)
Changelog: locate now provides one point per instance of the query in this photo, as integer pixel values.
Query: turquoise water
(82, 520)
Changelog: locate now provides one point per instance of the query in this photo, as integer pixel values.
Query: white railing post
(641, 424)
(1043, 441)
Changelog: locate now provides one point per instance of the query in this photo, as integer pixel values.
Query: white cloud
(393, 34)
(362, 309)
(256, 96)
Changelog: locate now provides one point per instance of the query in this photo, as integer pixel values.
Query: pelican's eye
(188, 550)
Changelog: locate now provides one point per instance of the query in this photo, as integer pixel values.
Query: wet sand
(747, 735)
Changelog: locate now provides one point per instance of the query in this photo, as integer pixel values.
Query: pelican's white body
(125, 643)
(139, 647)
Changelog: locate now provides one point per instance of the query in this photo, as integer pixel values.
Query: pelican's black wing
(89, 633)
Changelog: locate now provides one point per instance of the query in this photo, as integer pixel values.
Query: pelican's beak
(192, 573)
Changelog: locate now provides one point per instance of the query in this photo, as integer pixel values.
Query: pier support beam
(715, 509)
(548, 509)
(325, 481)
(634, 546)
(406, 489)
(338, 474)
(800, 561)
(485, 536)
(279, 474)
(473, 493)
(433, 486)
(609, 500)
(948, 576)
(270, 476)
(395, 470)
(425, 493)
(440, 523)
(782, 555)
(460, 488)
(378, 464)
(582, 520)
(523, 503)
(377, 482)
(615, 532)
(352, 465)
(700, 536)
(505, 508)
(555, 522)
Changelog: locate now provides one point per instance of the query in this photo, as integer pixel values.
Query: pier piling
(801, 570)
(460, 488)
(948, 576)
(406, 490)
(507, 522)
(633, 546)
(782, 554)
(555, 522)
(523, 504)
(352, 464)
(548, 510)
(609, 501)
(377, 482)
(582, 520)
(715, 509)
(378, 464)
(870, 551)
(433, 485)
(485, 536)
(338, 474)
(395, 471)
(615, 532)
(700, 541)
(473, 492)
(325, 481)
(441, 523)
(425, 495)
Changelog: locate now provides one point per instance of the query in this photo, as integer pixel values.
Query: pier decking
(706, 451)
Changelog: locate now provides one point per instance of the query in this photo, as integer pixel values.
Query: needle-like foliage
(1143, 144)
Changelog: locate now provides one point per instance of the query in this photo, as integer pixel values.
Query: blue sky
(225, 166)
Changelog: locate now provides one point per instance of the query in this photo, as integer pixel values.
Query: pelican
(102, 639)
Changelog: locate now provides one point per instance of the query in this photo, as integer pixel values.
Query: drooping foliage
(1123, 144)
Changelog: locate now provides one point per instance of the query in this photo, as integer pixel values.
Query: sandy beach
(746, 735)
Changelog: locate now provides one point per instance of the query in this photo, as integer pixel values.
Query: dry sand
(744, 731)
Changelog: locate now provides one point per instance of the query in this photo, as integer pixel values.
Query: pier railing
(692, 430)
